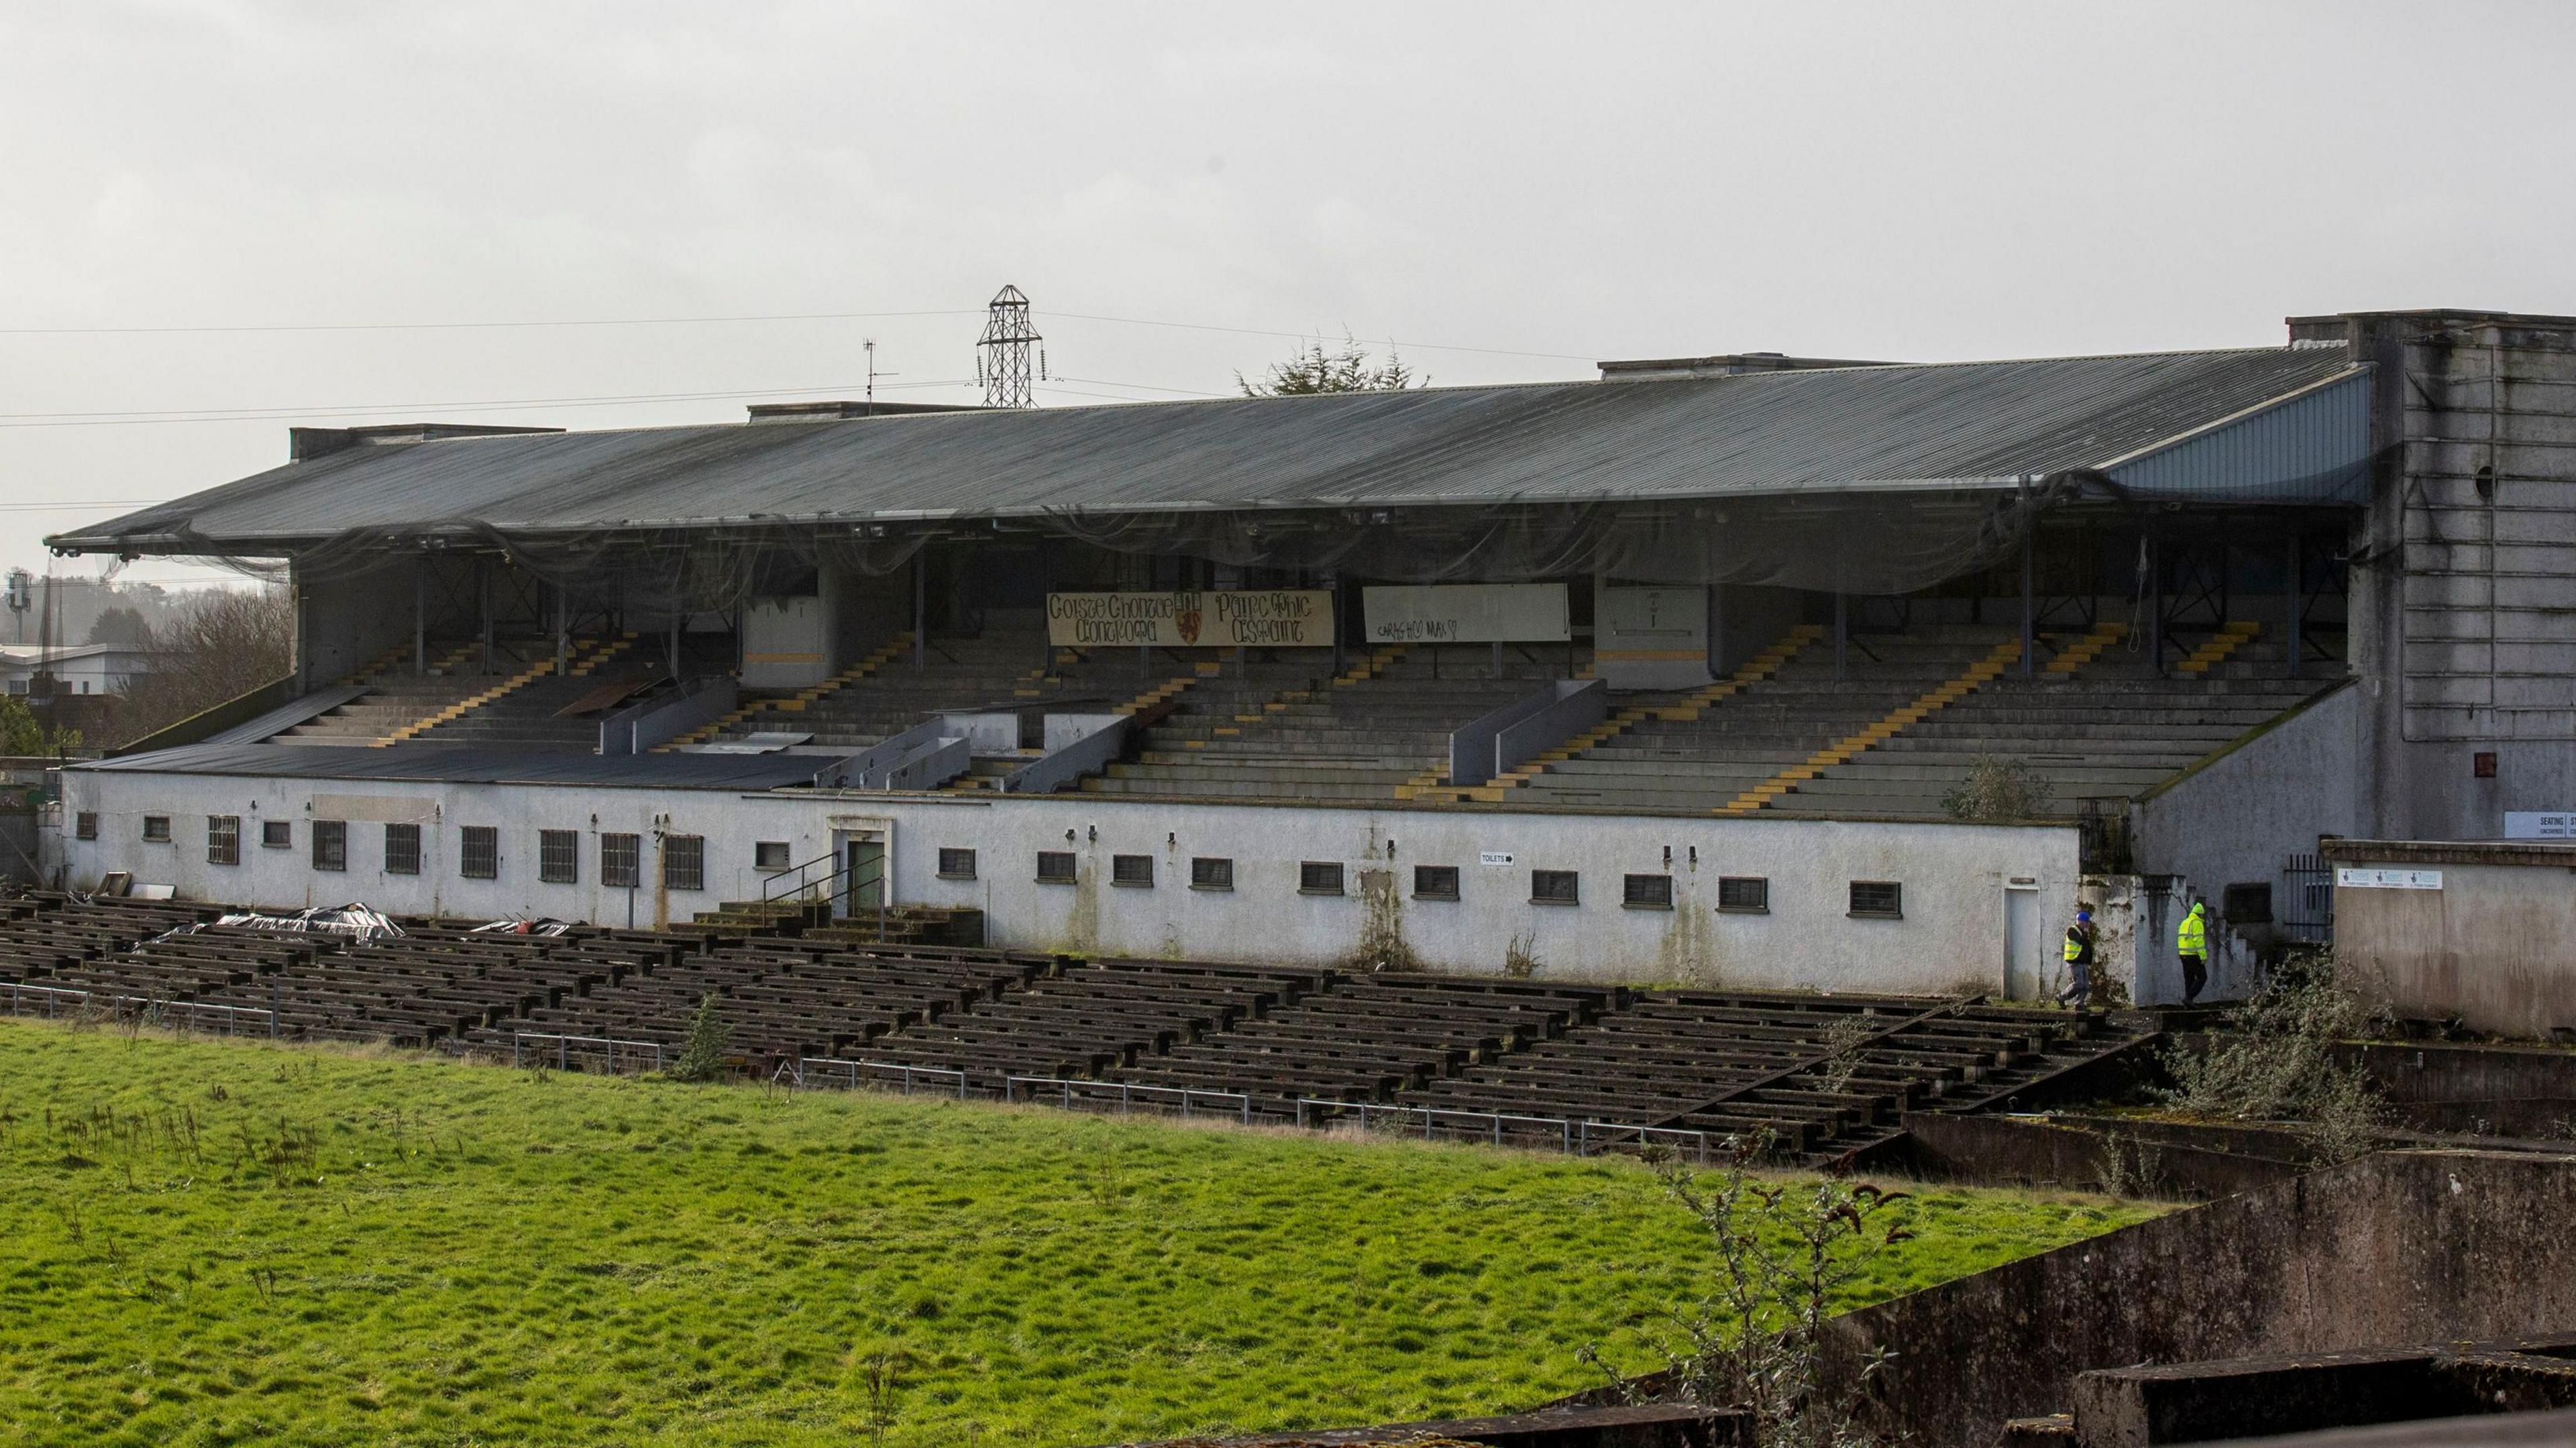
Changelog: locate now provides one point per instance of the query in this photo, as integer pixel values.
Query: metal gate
(2307, 907)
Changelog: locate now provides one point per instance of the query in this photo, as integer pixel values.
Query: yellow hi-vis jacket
(2193, 937)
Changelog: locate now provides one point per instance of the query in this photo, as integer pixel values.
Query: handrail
(51, 993)
(1575, 1134)
(1127, 1093)
(904, 1071)
(564, 1045)
(770, 894)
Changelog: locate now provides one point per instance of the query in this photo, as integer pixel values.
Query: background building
(1674, 675)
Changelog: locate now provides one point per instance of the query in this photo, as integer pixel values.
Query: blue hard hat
(2083, 914)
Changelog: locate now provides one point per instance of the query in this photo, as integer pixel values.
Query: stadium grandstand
(1680, 676)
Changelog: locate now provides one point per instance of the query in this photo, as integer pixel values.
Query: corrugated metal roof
(1944, 425)
(454, 765)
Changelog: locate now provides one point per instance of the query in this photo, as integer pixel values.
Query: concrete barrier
(637, 728)
(2401, 1247)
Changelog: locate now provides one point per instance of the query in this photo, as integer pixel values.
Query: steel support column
(2029, 594)
(920, 610)
(1842, 632)
(2156, 601)
(420, 615)
(2294, 594)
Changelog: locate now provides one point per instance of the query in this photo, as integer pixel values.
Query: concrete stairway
(1702, 756)
(529, 715)
(886, 693)
(1365, 734)
(778, 711)
(396, 697)
(2108, 729)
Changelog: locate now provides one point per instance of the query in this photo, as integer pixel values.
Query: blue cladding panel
(2313, 448)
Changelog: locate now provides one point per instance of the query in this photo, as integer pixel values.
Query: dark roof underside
(1976, 424)
(453, 764)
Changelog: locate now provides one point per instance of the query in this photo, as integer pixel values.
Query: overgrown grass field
(226, 1243)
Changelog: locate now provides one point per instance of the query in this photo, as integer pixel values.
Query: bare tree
(226, 643)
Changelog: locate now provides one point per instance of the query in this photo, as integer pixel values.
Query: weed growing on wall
(1382, 945)
(2280, 1061)
(1785, 1254)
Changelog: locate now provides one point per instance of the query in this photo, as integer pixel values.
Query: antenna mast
(1002, 356)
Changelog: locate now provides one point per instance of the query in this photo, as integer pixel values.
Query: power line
(1146, 387)
(1308, 336)
(115, 419)
(569, 322)
(477, 326)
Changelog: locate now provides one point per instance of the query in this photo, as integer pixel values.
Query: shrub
(1998, 789)
(703, 1059)
(2279, 1062)
(1785, 1251)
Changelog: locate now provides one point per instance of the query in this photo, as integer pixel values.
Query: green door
(863, 888)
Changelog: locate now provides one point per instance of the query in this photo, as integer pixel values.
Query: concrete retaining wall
(2396, 1248)
(2493, 947)
(1951, 936)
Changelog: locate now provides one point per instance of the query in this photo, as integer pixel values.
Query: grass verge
(227, 1243)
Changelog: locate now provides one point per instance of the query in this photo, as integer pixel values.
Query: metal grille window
(277, 834)
(156, 828)
(478, 852)
(1883, 899)
(1744, 894)
(1555, 887)
(769, 855)
(956, 864)
(1133, 871)
(330, 844)
(1647, 892)
(1435, 882)
(1055, 867)
(621, 861)
(223, 839)
(85, 825)
(1210, 873)
(559, 856)
(402, 849)
(1319, 877)
(684, 862)
(2247, 904)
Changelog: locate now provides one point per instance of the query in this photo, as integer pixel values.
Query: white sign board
(1652, 638)
(1498, 859)
(2535, 825)
(1268, 618)
(2349, 878)
(1468, 613)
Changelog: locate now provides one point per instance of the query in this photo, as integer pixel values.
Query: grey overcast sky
(1557, 184)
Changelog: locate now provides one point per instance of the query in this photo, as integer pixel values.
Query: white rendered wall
(1951, 936)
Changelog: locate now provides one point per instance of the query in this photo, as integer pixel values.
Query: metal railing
(1127, 1095)
(564, 1045)
(804, 1069)
(1576, 1135)
(176, 1015)
(797, 882)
